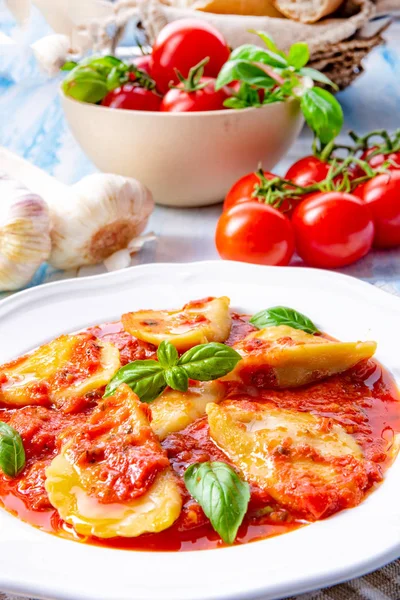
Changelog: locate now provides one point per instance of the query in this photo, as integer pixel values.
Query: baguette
(259, 8)
(307, 11)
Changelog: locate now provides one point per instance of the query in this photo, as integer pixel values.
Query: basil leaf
(115, 79)
(268, 41)
(299, 55)
(145, 377)
(316, 76)
(103, 64)
(209, 361)
(177, 379)
(323, 113)
(221, 494)
(12, 452)
(282, 315)
(244, 71)
(253, 53)
(69, 65)
(85, 84)
(167, 354)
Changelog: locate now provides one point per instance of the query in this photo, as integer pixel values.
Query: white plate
(342, 547)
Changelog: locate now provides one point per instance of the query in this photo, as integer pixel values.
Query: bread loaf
(261, 8)
(307, 11)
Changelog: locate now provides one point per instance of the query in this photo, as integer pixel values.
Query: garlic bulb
(24, 234)
(91, 220)
(105, 214)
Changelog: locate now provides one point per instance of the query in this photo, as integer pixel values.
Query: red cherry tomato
(332, 229)
(132, 97)
(181, 45)
(378, 160)
(143, 63)
(242, 190)
(308, 170)
(204, 99)
(256, 233)
(382, 194)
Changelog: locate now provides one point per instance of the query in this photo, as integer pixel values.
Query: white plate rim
(286, 560)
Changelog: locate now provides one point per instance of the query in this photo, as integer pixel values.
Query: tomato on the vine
(203, 99)
(132, 97)
(243, 189)
(332, 229)
(382, 195)
(181, 45)
(307, 171)
(254, 232)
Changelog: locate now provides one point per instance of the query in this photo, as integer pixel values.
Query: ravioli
(112, 478)
(69, 366)
(306, 463)
(283, 357)
(173, 410)
(198, 322)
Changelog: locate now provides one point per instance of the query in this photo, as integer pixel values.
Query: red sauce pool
(365, 401)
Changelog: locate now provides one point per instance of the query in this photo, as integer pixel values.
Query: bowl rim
(180, 115)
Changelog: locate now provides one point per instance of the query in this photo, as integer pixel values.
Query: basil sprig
(92, 79)
(12, 452)
(148, 378)
(282, 315)
(223, 496)
(279, 77)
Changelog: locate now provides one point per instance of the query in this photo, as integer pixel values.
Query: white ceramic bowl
(185, 159)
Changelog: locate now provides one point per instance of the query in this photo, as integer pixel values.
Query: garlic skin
(104, 215)
(24, 234)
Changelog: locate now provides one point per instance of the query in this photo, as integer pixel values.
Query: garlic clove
(122, 258)
(24, 234)
(51, 52)
(105, 213)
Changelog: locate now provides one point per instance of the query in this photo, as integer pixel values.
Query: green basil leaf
(12, 452)
(209, 361)
(253, 53)
(268, 41)
(282, 315)
(316, 76)
(85, 84)
(115, 79)
(103, 64)
(222, 495)
(167, 354)
(69, 65)
(177, 379)
(145, 377)
(299, 55)
(323, 114)
(244, 71)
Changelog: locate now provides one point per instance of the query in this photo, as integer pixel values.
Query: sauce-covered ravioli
(283, 357)
(173, 410)
(112, 478)
(198, 322)
(306, 463)
(69, 366)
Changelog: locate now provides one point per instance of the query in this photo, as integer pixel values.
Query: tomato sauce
(364, 400)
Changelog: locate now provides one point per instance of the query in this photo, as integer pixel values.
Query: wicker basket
(337, 45)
